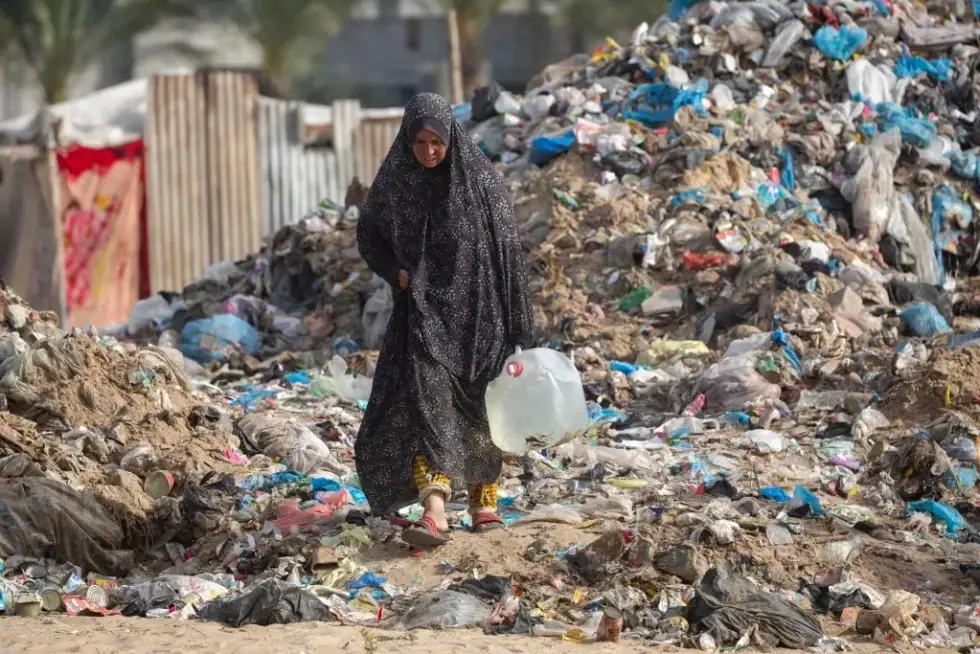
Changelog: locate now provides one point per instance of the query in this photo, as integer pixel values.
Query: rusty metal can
(611, 627)
(98, 596)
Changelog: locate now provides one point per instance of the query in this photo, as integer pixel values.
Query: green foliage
(54, 40)
(291, 33)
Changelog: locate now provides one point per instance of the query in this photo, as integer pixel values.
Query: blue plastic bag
(774, 493)
(840, 44)
(218, 337)
(941, 512)
(679, 7)
(695, 195)
(329, 485)
(787, 176)
(801, 497)
(545, 149)
(924, 320)
(367, 580)
(965, 164)
(915, 131)
(937, 69)
(655, 104)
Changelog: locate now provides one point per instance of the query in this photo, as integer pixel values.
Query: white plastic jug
(536, 401)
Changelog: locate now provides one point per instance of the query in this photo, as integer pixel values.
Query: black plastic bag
(626, 162)
(271, 602)
(490, 589)
(727, 606)
(482, 105)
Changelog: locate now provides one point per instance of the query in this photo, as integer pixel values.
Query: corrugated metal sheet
(295, 178)
(30, 255)
(373, 139)
(203, 192)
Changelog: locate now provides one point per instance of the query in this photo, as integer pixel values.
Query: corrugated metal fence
(203, 195)
(296, 176)
(226, 167)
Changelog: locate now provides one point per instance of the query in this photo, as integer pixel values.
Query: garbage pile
(306, 284)
(751, 230)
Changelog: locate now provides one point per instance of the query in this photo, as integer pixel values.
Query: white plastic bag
(536, 401)
(377, 312)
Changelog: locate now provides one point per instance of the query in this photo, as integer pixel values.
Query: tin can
(611, 627)
(159, 484)
(51, 599)
(98, 597)
(102, 580)
(28, 606)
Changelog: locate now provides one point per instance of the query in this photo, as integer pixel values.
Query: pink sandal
(425, 533)
(484, 521)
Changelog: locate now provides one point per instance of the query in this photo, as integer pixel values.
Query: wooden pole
(455, 61)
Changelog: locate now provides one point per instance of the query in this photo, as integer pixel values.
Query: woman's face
(429, 149)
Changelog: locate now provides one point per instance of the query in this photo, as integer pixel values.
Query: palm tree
(53, 41)
(290, 33)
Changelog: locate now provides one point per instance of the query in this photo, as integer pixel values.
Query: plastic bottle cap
(515, 369)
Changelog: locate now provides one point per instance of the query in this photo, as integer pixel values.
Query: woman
(438, 226)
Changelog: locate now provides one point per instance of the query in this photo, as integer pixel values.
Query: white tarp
(109, 117)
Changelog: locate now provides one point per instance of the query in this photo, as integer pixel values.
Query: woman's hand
(403, 279)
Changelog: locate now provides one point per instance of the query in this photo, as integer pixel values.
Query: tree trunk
(472, 19)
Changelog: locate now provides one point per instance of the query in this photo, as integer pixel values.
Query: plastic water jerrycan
(536, 401)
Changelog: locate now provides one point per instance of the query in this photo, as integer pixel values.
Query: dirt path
(164, 636)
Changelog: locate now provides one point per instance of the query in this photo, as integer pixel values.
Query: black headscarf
(452, 228)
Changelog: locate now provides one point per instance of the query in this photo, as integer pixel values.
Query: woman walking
(438, 226)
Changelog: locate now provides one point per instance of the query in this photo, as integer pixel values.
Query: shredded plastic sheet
(42, 517)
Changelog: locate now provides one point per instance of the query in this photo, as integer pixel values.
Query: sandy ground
(148, 636)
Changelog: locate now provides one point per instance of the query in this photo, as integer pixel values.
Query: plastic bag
(446, 610)
(871, 189)
(840, 44)
(942, 512)
(271, 602)
(727, 606)
(870, 83)
(377, 312)
(545, 149)
(679, 7)
(787, 36)
(924, 320)
(656, 104)
(626, 162)
(482, 105)
(915, 131)
(44, 518)
(218, 337)
(148, 313)
(937, 69)
(284, 438)
(733, 384)
(339, 383)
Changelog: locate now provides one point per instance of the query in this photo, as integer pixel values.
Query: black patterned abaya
(452, 228)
